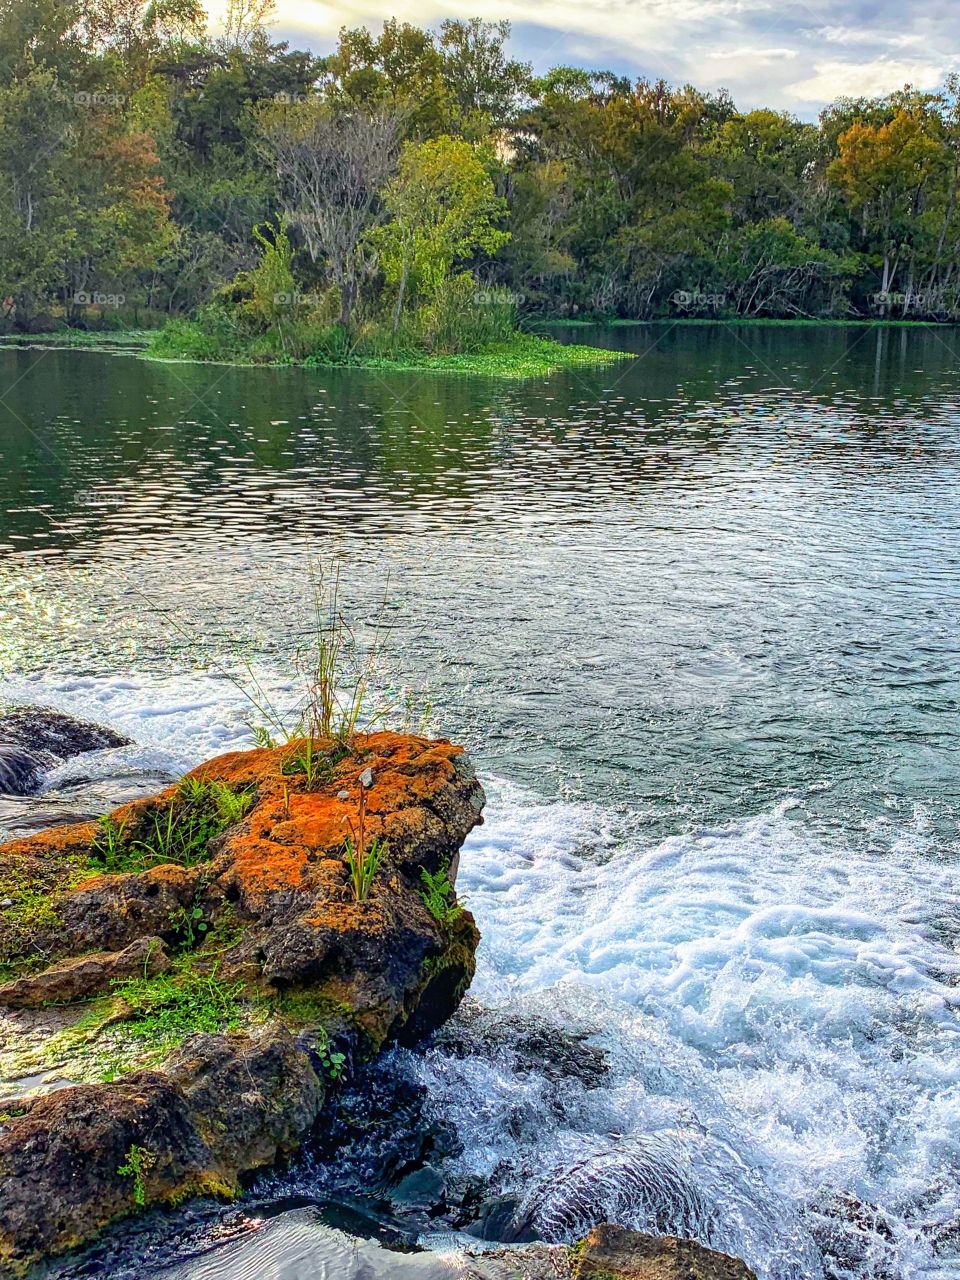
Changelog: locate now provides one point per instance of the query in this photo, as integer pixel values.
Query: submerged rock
(614, 1253)
(35, 739)
(220, 918)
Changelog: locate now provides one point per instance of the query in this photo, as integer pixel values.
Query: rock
(223, 904)
(220, 1107)
(75, 979)
(614, 1253)
(78, 801)
(34, 739)
(531, 1043)
(848, 1231)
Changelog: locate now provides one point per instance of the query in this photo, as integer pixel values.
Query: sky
(793, 56)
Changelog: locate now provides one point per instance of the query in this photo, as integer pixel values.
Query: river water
(697, 617)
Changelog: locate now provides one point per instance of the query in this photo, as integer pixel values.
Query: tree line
(420, 183)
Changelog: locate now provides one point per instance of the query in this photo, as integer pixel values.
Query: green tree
(486, 85)
(443, 209)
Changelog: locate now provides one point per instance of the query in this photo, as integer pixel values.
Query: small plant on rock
(363, 861)
(339, 669)
(436, 894)
(189, 923)
(109, 844)
(331, 1061)
(181, 833)
(307, 760)
(140, 1160)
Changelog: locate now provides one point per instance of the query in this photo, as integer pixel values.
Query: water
(696, 617)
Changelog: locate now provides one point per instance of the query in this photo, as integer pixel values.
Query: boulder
(614, 1253)
(225, 969)
(85, 976)
(34, 739)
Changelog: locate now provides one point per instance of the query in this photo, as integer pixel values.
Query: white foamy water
(779, 1014)
(781, 1019)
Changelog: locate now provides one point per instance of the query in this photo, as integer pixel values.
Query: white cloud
(868, 79)
(745, 53)
(766, 52)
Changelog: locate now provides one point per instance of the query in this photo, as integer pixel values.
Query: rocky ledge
(184, 980)
(607, 1253)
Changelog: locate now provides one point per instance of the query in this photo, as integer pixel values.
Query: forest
(425, 189)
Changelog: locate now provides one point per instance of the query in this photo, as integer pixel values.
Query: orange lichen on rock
(278, 873)
(238, 875)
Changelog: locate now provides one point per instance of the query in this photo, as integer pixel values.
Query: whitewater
(777, 1010)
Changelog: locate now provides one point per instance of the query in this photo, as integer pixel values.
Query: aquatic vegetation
(520, 355)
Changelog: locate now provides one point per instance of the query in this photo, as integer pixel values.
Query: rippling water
(696, 615)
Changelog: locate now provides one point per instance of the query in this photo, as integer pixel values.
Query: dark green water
(697, 616)
(726, 568)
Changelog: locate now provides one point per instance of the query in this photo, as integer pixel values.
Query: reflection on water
(724, 569)
(698, 618)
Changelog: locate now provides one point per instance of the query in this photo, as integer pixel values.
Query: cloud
(865, 79)
(773, 53)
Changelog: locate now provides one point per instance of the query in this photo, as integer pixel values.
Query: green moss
(169, 1007)
(310, 1010)
(32, 913)
(204, 1184)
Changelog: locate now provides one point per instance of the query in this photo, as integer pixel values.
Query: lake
(697, 617)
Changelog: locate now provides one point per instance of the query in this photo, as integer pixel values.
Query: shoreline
(533, 356)
(786, 322)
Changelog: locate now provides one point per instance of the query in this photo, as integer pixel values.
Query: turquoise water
(697, 616)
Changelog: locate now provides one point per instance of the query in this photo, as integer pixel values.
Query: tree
(486, 85)
(40, 204)
(401, 70)
(332, 161)
(885, 171)
(443, 208)
(245, 25)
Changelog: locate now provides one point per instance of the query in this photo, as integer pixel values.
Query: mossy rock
(218, 920)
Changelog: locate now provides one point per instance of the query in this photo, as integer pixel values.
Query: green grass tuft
(180, 832)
